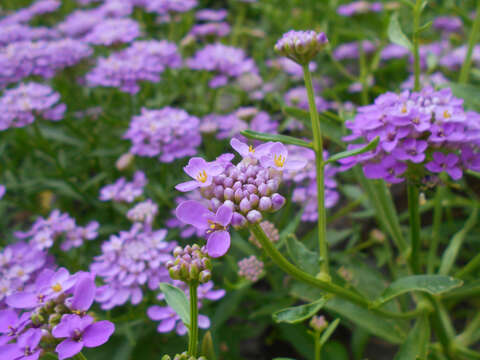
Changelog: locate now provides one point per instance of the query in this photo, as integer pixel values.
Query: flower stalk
(467, 63)
(193, 330)
(414, 214)
(417, 10)
(319, 163)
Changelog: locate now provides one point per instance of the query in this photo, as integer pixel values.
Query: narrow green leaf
(432, 284)
(275, 137)
(306, 259)
(396, 35)
(208, 349)
(296, 314)
(424, 27)
(416, 345)
(177, 300)
(372, 145)
(57, 134)
(329, 331)
(297, 113)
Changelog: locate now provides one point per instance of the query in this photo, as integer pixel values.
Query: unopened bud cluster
(270, 230)
(318, 323)
(248, 188)
(191, 265)
(183, 356)
(301, 46)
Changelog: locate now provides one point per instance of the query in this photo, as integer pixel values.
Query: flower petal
(187, 186)
(193, 213)
(98, 333)
(68, 348)
(224, 215)
(218, 243)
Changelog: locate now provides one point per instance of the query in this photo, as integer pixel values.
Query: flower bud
(238, 220)
(254, 216)
(228, 194)
(318, 323)
(245, 205)
(265, 203)
(278, 201)
(124, 161)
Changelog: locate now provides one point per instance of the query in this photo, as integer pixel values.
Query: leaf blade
(177, 300)
(372, 145)
(296, 314)
(396, 35)
(285, 139)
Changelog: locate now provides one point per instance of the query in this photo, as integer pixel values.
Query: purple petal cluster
(298, 97)
(20, 265)
(250, 268)
(130, 261)
(143, 212)
(21, 105)
(42, 58)
(448, 24)
(211, 29)
(351, 50)
(55, 305)
(142, 61)
(301, 46)
(359, 7)
(305, 183)
(236, 193)
(270, 230)
(20, 32)
(186, 230)
(24, 15)
(44, 232)
(426, 131)
(113, 31)
(191, 265)
(168, 133)
(225, 61)
(169, 6)
(168, 318)
(211, 14)
(123, 191)
(291, 67)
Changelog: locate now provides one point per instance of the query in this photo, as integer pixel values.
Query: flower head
(277, 158)
(301, 46)
(203, 173)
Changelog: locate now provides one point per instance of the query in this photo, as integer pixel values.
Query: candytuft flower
(215, 225)
(248, 150)
(200, 170)
(277, 158)
(301, 46)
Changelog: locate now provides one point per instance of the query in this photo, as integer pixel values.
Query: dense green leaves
(296, 314)
(396, 35)
(275, 137)
(177, 300)
(432, 284)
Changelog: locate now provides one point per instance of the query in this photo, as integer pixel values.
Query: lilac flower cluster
(226, 61)
(131, 260)
(301, 46)
(20, 265)
(359, 7)
(211, 29)
(169, 6)
(24, 15)
(168, 133)
(21, 105)
(113, 31)
(448, 24)
(298, 97)
(211, 14)
(191, 265)
(123, 191)
(305, 182)
(230, 125)
(42, 58)
(19, 32)
(44, 232)
(142, 61)
(291, 67)
(143, 212)
(418, 131)
(351, 50)
(237, 193)
(250, 268)
(55, 306)
(168, 318)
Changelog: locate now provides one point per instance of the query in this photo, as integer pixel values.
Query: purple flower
(123, 191)
(169, 6)
(352, 50)
(113, 31)
(359, 7)
(448, 24)
(250, 268)
(277, 158)
(3, 190)
(411, 149)
(448, 163)
(301, 46)
(220, 29)
(200, 170)
(215, 225)
(169, 320)
(211, 14)
(27, 346)
(249, 151)
(169, 133)
(80, 332)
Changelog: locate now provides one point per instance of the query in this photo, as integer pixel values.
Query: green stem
(467, 63)
(413, 209)
(79, 356)
(437, 222)
(318, 147)
(363, 74)
(441, 322)
(318, 346)
(193, 329)
(468, 336)
(417, 10)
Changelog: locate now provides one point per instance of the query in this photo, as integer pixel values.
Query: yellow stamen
(446, 114)
(404, 109)
(57, 287)
(251, 149)
(202, 176)
(279, 160)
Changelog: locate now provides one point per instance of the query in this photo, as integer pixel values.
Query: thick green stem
(318, 346)
(467, 63)
(413, 209)
(318, 147)
(417, 10)
(193, 329)
(437, 222)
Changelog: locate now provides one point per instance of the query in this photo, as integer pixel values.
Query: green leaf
(208, 349)
(306, 259)
(469, 93)
(275, 137)
(296, 314)
(416, 345)
(58, 135)
(372, 145)
(424, 27)
(177, 300)
(432, 284)
(329, 331)
(297, 113)
(396, 35)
